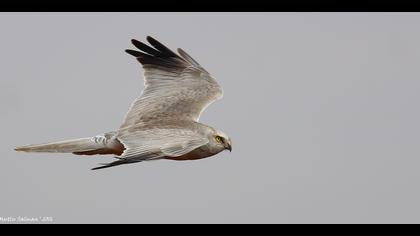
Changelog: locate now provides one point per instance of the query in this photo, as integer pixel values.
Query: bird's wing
(176, 86)
(157, 142)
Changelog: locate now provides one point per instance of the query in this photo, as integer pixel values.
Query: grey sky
(322, 109)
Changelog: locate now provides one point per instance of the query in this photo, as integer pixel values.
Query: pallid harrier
(163, 122)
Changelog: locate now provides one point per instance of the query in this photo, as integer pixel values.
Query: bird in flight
(162, 123)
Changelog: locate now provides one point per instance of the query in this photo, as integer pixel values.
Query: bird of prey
(162, 123)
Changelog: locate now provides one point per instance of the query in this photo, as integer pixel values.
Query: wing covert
(159, 142)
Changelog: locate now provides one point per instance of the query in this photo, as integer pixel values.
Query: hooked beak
(228, 146)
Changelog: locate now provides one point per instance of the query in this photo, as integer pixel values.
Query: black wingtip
(156, 54)
(135, 42)
(133, 53)
(150, 38)
(103, 166)
(153, 41)
(146, 49)
(97, 168)
(114, 163)
(161, 48)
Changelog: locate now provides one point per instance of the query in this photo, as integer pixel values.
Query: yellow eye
(219, 139)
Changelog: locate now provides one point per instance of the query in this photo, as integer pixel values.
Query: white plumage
(163, 122)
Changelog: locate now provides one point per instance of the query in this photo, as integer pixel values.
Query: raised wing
(176, 86)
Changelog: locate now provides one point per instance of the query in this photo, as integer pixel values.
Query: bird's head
(220, 141)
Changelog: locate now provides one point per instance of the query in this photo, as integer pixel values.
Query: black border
(209, 6)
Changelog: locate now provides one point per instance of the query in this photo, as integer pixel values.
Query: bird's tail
(73, 145)
(101, 144)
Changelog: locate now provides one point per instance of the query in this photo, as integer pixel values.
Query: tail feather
(67, 146)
